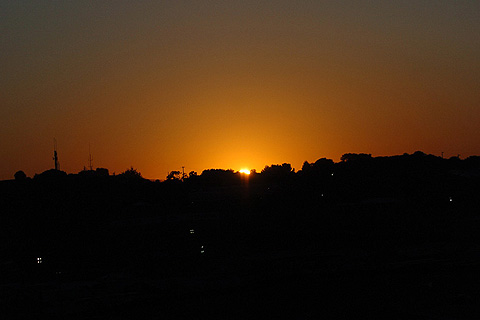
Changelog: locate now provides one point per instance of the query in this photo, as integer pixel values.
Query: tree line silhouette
(308, 237)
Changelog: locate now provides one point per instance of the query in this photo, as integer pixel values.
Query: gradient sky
(158, 85)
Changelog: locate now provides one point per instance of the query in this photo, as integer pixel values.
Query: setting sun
(244, 171)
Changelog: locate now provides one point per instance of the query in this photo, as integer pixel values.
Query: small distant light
(201, 247)
(332, 174)
(39, 260)
(192, 231)
(450, 199)
(322, 194)
(202, 251)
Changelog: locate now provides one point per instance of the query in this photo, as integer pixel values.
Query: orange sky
(158, 86)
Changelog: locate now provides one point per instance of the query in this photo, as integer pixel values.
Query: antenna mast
(90, 159)
(55, 156)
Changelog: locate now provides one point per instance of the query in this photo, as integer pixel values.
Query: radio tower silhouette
(55, 156)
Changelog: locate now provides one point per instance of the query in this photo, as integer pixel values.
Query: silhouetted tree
(217, 172)
(277, 172)
(419, 154)
(472, 162)
(219, 176)
(355, 157)
(50, 174)
(323, 162)
(174, 175)
(131, 174)
(20, 175)
(104, 172)
(275, 169)
(322, 167)
(306, 166)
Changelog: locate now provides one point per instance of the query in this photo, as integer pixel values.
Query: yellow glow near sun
(244, 171)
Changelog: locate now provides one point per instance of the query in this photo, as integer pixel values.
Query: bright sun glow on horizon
(244, 171)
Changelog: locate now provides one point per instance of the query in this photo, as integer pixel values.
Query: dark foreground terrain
(382, 238)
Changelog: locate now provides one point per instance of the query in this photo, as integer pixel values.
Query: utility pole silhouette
(55, 156)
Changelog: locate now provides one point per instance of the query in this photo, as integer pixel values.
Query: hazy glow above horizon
(161, 85)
